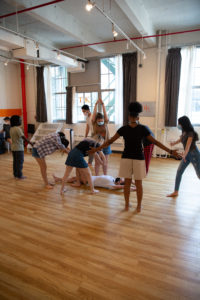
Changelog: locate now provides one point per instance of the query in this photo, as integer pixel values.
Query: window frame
(58, 120)
(107, 90)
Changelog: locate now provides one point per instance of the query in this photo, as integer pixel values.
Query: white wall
(10, 87)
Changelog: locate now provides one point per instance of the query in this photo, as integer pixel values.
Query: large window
(85, 98)
(58, 91)
(195, 115)
(189, 93)
(108, 73)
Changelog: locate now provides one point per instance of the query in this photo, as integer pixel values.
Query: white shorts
(132, 168)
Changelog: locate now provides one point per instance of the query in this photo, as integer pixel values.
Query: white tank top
(104, 181)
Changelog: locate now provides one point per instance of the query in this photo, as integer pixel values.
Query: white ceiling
(68, 23)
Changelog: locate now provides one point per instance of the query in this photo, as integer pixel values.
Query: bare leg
(64, 179)
(43, 169)
(139, 191)
(77, 182)
(127, 187)
(59, 179)
(87, 174)
(105, 165)
(97, 166)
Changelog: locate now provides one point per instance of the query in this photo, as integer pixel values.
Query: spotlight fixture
(89, 6)
(144, 56)
(58, 55)
(28, 67)
(115, 33)
(6, 63)
(127, 45)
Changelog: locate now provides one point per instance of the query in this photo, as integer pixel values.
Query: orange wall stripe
(10, 112)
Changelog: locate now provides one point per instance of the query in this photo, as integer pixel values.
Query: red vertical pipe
(23, 85)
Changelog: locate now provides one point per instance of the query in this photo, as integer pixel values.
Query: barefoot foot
(174, 194)
(48, 187)
(139, 208)
(75, 184)
(62, 191)
(94, 191)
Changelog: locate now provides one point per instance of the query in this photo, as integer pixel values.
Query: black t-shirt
(133, 138)
(86, 144)
(184, 137)
(6, 128)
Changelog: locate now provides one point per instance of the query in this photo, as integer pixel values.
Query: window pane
(104, 66)
(111, 81)
(198, 58)
(197, 76)
(88, 99)
(94, 98)
(104, 82)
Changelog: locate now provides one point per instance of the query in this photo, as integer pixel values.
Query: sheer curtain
(187, 78)
(119, 91)
(48, 84)
(74, 106)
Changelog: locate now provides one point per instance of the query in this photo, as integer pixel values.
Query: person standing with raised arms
(132, 161)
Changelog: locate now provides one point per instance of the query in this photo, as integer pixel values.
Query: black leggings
(18, 160)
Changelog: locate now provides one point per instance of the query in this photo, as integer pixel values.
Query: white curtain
(74, 106)
(47, 84)
(119, 91)
(188, 55)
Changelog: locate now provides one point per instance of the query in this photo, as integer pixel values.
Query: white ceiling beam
(10, 41)
(139, 17)
(60, 20)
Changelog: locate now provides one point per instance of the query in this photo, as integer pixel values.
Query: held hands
(172, 143)
(100, 101)
(176, 154)
(92, 150)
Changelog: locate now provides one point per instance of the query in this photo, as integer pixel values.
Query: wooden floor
(84, 246)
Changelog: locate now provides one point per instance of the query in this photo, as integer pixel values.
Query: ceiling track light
(116, 27)
(89, 6)
(58, 55)
(115, 33)
(6, 63)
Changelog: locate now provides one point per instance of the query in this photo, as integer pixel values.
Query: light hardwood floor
(84, 246)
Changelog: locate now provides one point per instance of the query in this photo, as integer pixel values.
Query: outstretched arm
(26, 140)
(160, 145)
(176, 142)
(106, 144)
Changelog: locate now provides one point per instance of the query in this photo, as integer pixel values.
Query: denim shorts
(76, 159)
(107, 150)
(35, 153)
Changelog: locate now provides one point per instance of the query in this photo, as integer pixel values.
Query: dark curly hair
(15, 121)
(134, 109)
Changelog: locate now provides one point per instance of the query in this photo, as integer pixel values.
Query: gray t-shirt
(184, 137)
(17, 141)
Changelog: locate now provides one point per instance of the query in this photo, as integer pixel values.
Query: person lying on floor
(104, 181)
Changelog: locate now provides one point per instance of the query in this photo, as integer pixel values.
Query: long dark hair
(187, 126)
(134, 109)
(64, 141)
